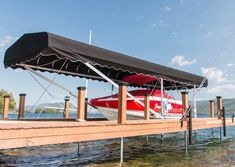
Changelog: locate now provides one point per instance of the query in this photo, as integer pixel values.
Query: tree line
(47, 110)
(12, 102)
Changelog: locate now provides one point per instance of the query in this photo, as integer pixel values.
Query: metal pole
(86, 108)
(195, 101)
(161, 97)
(86, 87)
(28, 67)
(186, 142)
(224, 121)
(116, 85)
(86, 92)
(90, 35)
(220, 132)
(147, 139)
(78, 148)
(162, 136)
(190, 128)
(112, 90)
(121, 151)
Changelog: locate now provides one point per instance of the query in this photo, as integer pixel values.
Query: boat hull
(112, 114)
(108, 105)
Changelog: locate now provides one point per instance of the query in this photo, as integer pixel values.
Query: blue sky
(183, 34)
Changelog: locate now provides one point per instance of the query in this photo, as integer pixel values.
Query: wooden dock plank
(14, 134)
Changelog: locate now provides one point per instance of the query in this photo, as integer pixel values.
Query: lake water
(205, 151)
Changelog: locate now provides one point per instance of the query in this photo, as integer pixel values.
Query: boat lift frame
(155, 115)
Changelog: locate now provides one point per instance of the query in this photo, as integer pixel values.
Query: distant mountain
(44, 105)
(203, 107)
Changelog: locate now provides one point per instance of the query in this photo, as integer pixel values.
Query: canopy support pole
(121, 151)
(116, 85)
(78, 149)
(195, 101)
(161, 97)
(147, 139)
(186, 141)
(112, 90)
(86, 87)
(90, 35)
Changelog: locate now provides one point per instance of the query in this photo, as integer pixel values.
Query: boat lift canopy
(49, 52)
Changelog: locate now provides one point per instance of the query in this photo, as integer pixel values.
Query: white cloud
(181, 61)
(222, 89)
(6, 40)
(219, 83)
(214, 74)
(18, 70)
(230, 64)
(160, 23)
(166, 9)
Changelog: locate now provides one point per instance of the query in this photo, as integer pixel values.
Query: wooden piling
(146, 107)
(81, 104)
(219, 106)
(212, 109)
(122, 90)
(184, 102)
(21, 106)
(66, 107)
(5, 107)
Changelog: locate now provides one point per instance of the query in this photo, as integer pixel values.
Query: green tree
(12, 102)
(38, 110)
(50, 111)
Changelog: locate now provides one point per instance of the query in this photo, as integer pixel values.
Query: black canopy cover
(49, 52)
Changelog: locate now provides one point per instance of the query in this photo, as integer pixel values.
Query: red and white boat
(108, 105)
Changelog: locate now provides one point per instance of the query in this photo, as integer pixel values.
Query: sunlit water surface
(205, 151)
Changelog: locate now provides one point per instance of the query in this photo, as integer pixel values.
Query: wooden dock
(49, 52)
(35, 132)
(18, 133)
